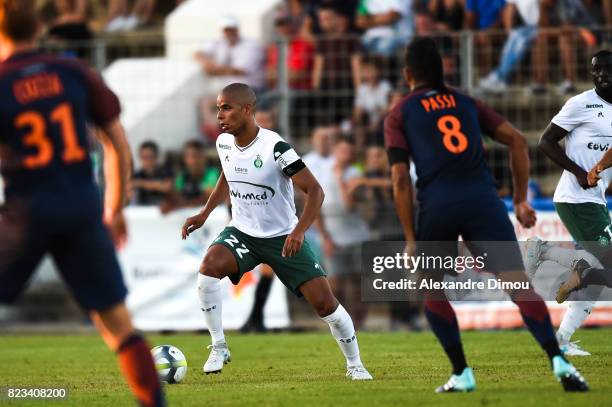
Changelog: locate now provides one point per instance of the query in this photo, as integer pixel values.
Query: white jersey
(588, 119)
(260, 187)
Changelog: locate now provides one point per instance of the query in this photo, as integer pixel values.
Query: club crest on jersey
(258, 162)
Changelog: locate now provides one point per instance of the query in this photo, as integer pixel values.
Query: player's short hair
(18, 20)
(150, 145)
(604, 53)
(241, 93)
(195, 144)
(424, 61)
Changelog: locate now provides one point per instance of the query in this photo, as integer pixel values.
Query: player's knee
(326, 306)
(212, 266)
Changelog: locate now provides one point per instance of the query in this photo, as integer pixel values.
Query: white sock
(565, 257)
(576, 313)
(342, 329)
(209, 291)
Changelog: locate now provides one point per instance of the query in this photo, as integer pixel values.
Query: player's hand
(410, 248)
(525, 214)
(192, 224)
(117, 228)
(583, 180)
(293, 243)
(593, 175)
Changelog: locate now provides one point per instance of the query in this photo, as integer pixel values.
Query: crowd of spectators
(343, 60)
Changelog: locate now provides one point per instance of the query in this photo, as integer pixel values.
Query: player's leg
(87, 262)
(443, 322)
(577, 311)
(21, 249)
(490, 231)
(318, 293)
(133, 352)
(304, 276)
(230, 255)
(435, 226)
(585, 222)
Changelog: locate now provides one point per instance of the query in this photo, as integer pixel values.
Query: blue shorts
(483, 224)
(80, 246)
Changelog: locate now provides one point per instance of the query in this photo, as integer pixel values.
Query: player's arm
(509, 136)
(398, 152)
(308, 184)
(604, 163)
(549, 145)
(403, 197)
(218, 195)
(117, 170)
(104, 108)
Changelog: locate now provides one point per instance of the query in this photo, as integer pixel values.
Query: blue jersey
(440, 131)
(47, 103)
(52, 203)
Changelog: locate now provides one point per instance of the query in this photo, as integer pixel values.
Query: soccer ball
(170, 363)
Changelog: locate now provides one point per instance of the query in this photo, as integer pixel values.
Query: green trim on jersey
(589, 224)
(250, 251)
(280, 148)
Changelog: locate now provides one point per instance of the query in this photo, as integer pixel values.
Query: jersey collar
(22, 55)
(250, 144)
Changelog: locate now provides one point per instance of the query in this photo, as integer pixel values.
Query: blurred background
(326, 72)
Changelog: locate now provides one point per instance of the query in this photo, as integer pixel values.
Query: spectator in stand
(343, 229)
(233, 58)
(388, 25)
(70, 22)
(484, 17)
(370, 104)
(318, 160)
(299, 59)
(320, 157)
(483, 14)
(337, 67)
(447, 14)
(120, 19)
(195, 182)
(518, 42)
(559, 18)
(385, 225)
(152, 184)
(265, 118)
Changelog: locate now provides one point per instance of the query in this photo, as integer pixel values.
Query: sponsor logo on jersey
(598, 146)
(594, 106)
(240, 170)
(254, 194)
(225, 147)
(258, 162)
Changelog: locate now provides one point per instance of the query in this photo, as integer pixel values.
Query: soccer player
(584, 123)
(259, 170)
(52, 203)
(439, 129)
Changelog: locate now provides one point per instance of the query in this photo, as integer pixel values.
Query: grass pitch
(308, 370)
